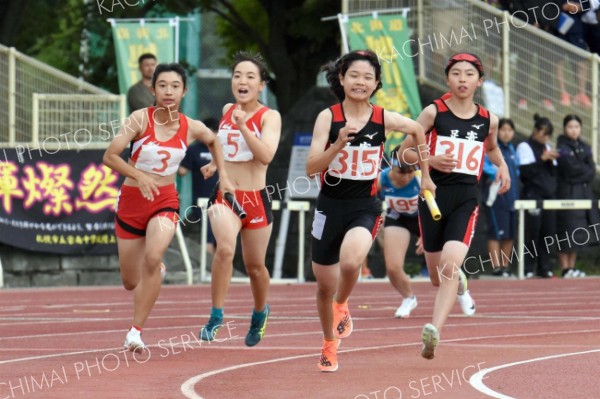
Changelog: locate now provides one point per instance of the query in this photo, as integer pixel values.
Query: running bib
(235, 148)
(403, 204)
(356, 163)
(468, 153)
(160, 160)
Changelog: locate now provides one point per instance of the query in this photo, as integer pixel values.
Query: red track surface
(65, 343)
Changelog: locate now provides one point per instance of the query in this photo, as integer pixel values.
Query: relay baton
(431, 204)
(237, 208)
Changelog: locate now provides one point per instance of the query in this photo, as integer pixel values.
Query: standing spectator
(500, 209)
(139, 95)
(196, 157)
(576, 170)
(537, 166)
(591, 27)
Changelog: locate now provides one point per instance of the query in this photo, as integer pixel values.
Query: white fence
(295, 206)
(518, 57)
(37, 99)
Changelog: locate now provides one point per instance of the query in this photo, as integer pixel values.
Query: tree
(289, 34)
(294, 42)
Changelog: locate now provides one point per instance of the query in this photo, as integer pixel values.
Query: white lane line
(187, 388)
(477, 383)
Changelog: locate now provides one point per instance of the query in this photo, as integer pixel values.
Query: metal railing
(295, 206)
(558, 205)
(67, 121)
(522, 59)
(22, 77)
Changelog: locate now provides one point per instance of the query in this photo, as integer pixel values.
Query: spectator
(500, 209)
(591, 27)
(139, 95)
(196, 157)
(576, 170)
(537, 166)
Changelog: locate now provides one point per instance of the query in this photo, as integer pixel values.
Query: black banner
(62, 202)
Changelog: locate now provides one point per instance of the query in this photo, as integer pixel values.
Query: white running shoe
(467, 304)
(163, 271)
(408, 304)
(133, 341)
(462, 282)
(431, 337)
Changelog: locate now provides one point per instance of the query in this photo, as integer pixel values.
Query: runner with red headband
(459, 133)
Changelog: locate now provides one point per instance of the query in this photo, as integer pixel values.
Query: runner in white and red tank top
(249, 135)
(148, 204)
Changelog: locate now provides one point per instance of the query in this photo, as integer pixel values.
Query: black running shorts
(333, 218)
(458, 204)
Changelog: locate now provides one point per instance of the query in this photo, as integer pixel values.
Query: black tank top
(464, 138)
(354, 171)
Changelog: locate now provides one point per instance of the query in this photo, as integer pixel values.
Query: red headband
(470, 58)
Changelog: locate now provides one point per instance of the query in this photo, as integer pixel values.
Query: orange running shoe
(342, 322)
(328, 361)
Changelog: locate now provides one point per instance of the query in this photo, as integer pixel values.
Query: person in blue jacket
(500, 209)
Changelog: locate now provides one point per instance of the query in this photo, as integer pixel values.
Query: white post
(185, 255)
(420, 33)
(176, 39)
(521, 242)
(281, 239)
(521, 206)
(301, 246)
(35, 120)
(1, 275)
(506, 64)
(12, 95)
(202, 202)
(343, 19)
(595, 71)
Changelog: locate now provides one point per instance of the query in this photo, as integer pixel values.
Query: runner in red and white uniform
(148, 205)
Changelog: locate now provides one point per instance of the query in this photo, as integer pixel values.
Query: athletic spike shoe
(407, 305)
(133, 341)
(467, 304)
(328, 360)
(210, 329)
(258, 325)
(431, 338)
(342, 322)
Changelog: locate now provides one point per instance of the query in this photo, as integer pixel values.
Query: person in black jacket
(537, 165)
(576, 170)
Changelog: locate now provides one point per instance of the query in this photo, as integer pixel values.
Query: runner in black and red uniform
(459, 133)
(346, 152)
